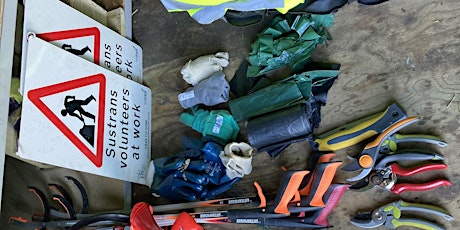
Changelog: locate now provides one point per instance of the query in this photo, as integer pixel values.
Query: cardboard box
(77, 33)
(81, 116)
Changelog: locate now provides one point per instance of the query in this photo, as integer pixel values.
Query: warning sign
(82, 36)
(76, 119)
(85, 42)
(81, 116)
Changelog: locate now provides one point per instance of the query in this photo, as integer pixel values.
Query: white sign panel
(81, 116)
(70, 30)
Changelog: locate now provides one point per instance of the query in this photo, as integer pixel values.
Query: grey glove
(212, 91)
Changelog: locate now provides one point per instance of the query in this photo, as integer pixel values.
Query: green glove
(216, 123)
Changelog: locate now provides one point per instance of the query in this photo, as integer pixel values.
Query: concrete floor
(399, 51)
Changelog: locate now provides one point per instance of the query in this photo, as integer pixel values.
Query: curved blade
(83, 193)
(364, 220)
(353, 166)
(361, 175)
(62, 191)
(362, 185)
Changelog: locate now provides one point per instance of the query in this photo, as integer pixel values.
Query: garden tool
(358, 131)
(387, 178)
(390, 216)
(374, 156)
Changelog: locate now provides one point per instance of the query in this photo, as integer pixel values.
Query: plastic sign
(70, 30)
(81, 116)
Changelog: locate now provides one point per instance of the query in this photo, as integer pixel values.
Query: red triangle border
(35, 96)
(76, 33)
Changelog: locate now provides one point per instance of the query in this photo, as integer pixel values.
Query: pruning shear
(389, 216)
(375, 155)
(387, 178)
(357, 131)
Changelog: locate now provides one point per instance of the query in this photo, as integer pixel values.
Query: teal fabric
(288, 41)
(282, 94)
(216, 123)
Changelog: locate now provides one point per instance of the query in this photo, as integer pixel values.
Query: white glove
(201, 68)
(237, 158)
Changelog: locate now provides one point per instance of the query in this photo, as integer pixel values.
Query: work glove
(201, 68)
(199, 173)
(216, 123)
(212, 91)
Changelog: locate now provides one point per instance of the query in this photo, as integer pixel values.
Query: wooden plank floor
(399, 51)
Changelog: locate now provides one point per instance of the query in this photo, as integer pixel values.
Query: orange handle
(396, 126)
(289, 187)
(326, 180)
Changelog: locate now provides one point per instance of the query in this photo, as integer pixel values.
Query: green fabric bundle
(217, 123)
(282, 94)
(288, 41)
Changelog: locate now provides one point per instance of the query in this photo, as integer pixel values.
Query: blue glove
(195, 173)
(169, 173)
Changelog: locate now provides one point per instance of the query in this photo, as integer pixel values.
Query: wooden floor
(399, 51)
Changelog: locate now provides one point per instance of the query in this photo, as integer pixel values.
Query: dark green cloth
(289, 41)
(290, 91)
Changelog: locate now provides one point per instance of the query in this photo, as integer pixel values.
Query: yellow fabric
(191, 12)
(289, 4)
(14, 92)
(205, 2)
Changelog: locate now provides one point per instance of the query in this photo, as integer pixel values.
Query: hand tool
(357, 131)
(83, 193)
(313, 217)
(112, 219)
(373, 153)
(43, 220)
(387, 179)
(315, 185)
(390, 214)
(62, 191)
(279, 213)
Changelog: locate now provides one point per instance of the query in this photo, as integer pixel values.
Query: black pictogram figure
(71, 106)
(69, 48)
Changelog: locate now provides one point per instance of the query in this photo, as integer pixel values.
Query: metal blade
(353, 166)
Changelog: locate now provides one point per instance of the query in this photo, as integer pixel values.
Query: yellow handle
(358, 131)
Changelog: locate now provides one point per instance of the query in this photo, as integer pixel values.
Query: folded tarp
(285, 93)
(289, 41)
(273, 132)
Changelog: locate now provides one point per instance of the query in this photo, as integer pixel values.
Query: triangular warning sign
(76, 33)
(36, 95)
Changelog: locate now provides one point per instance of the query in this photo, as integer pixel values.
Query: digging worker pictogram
(71, 105)
(80, 52)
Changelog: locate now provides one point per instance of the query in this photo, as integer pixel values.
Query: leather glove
(201, 68)
(216, 123)
(212, 91)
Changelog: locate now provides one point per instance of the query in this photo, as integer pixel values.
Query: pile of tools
(304, 199)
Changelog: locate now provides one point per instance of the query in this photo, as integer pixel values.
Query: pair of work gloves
(202, 171)
(209, 84)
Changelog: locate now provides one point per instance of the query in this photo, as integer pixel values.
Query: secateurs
(387, 178)
(377, 155)
(390, 216)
